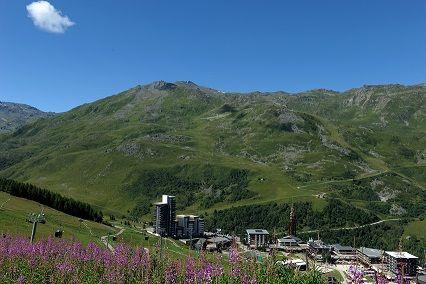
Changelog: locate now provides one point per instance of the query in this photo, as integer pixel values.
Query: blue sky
(224, 44)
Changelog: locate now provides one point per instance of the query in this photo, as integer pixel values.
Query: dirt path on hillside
(354, 227)
(105, 241)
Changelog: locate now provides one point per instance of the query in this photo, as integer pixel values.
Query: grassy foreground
(14, 213)
(53, 261)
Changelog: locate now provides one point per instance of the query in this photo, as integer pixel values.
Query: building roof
(257, 232)
(318, 244)
(292, 239)
(370, 252)
(402, 254)
(188, 216)
(218, 240)
(340, 247)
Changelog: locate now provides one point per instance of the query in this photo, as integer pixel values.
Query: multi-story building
(369, 256)
(401, 262)
(257, 238)
(189, 226)
(343, 252)
(165, 216)
(317, 248)
(289, 244)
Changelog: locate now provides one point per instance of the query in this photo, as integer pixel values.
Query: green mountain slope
(14, 212)
(215, 150)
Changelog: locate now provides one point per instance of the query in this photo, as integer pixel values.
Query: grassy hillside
(214, 150)
(15, 211)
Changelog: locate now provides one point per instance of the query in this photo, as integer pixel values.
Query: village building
(343, 253)
(290, 244)
(189, 226)
(218, 243)
(401, 262)
(257, 238)
(165, 216)
(318, 247)
(369, 256)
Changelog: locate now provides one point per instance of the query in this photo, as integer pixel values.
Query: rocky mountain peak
(162, 85)
(14, 115)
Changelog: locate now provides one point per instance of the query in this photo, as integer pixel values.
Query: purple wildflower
(21, 280)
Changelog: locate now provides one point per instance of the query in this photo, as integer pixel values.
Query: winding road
(355, 227)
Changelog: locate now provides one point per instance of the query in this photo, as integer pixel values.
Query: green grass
(337, 275)
(96, 152)
(174, 248)
(15, 211)
(416, 228)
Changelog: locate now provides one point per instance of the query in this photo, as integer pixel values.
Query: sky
(59, 54)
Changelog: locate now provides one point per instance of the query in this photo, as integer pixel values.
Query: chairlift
(59, 233)
(42, 219)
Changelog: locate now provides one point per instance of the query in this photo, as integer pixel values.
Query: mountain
(13, 116)
(215, 150)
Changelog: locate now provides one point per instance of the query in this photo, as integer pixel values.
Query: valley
(219, 151)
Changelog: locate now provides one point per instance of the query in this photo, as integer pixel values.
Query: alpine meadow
(212, 142)
(222, 152)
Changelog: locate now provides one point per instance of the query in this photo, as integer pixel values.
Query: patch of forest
(272, 216)
(54, 200)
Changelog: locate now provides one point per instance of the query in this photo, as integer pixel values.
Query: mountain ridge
(213, 149)
(15, 115)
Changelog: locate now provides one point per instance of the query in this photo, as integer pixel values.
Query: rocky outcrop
(13, 115)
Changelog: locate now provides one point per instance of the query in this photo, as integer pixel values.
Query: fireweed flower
(233, 255)
(381, 280)
(248, 280)
(65, 268)
(400, 279)
(355, 275)
(172, 273)
(190, 272)
(62, 261)
(21, 280)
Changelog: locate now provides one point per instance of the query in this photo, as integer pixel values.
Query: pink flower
(21, 280)
(65, 268)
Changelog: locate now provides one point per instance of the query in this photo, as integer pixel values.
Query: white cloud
(47, 18)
